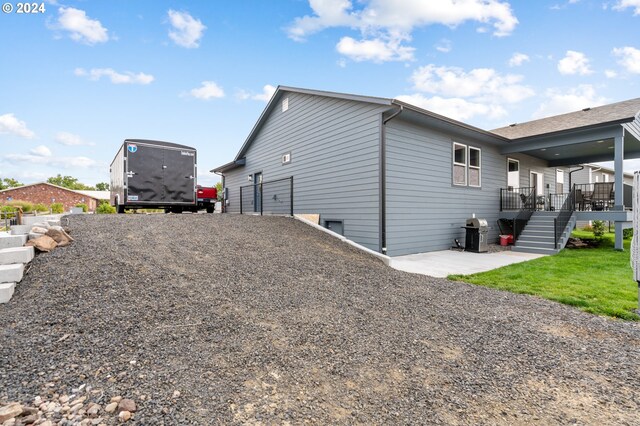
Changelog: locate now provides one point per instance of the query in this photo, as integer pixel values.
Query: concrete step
(6, 291)
(537, 238)
(535, 244)
(9, 256)
(54, 222)
(30, 220)
(8, 241)
(20, 229)
(11, 273)
(526, 249)
(545, 228)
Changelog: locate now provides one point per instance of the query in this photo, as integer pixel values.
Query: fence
(274, 197)
(9, 216)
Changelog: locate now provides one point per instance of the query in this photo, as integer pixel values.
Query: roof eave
(572, 130)
(229, 166)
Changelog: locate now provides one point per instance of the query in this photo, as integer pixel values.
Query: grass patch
(596, 280)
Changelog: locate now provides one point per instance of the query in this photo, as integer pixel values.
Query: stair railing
(523, 216)
(566, 210)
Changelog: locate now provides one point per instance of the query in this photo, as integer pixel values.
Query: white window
(474, 166)
(513, 173)
(605, 177)
(559, 181)
(459, 164)
(467, 165)
(285, 104)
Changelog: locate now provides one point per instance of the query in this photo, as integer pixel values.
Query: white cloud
(81, 28)
(444, 46)
(208, 90)
(69, 139)
(610, 73)
(629, 58)
(267, 92)
(127, 77)
(385, 24)
(518, 59)
(574, 99)
(624, 4)
(481, 84)
(187, 31)
(375, 50)
(9, 124)
(574, 63)
(41, 151)
(63, 162)
(456, 108)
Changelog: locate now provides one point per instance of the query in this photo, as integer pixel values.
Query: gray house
(398, 179)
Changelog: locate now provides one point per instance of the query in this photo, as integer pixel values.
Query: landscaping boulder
(43, 244)
(59, 236)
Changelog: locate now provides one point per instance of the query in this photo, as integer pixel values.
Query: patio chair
(602, 195)
(527, 202)
(579, 200)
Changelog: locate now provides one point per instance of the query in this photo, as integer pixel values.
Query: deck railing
(566, 210)
(525, 213)
(513, 198)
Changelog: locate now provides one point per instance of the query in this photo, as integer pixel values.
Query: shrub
(84, 207)
(588, 228)
(598, 229)
(57, 208)
(40, 208)
(105, 208)
(26, 206)
(627, 233)
(8, 212)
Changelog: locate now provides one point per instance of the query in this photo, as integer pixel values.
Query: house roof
(616, 113)
(55, 186)
(98, 195)
(238, 161)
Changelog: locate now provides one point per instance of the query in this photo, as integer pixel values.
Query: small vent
(285, 104)
(286, 158)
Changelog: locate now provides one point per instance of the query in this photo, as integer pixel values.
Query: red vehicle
(207, 197)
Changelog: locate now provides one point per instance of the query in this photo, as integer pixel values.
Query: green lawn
(597, 280)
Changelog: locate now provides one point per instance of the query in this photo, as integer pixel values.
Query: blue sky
(81, 77)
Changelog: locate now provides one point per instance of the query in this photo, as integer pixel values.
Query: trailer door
(179, 176)
(144, 173)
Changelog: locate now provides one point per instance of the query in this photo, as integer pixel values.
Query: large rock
(44, 243)
(60, 237)
(127, 405)
(10, 411)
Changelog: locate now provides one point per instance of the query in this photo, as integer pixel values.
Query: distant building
(47, 194)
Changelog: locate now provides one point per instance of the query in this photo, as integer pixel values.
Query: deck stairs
(538, 235)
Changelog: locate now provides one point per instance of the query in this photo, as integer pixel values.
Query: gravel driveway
(264, 320)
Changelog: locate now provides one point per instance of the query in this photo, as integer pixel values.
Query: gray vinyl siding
(425, 211)
(335, 161)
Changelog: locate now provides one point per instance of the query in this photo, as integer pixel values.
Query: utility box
(154, 174)
(476, 236)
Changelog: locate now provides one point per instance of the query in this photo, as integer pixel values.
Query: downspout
(383, 177)
(576, 170)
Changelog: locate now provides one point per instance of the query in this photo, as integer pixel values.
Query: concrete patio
(447, 262)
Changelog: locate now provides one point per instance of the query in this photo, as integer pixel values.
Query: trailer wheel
(210, 209)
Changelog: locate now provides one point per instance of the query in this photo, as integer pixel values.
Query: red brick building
(47, 194)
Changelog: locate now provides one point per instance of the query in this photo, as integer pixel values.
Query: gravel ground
(265, 320)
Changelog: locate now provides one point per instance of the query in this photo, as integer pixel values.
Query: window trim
(478, 167)
(515, 160)
(454, 163)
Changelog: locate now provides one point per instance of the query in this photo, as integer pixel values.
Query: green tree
(598, 229)
(219, 189)
(102, 186)
(69, 182)
(9, 183)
